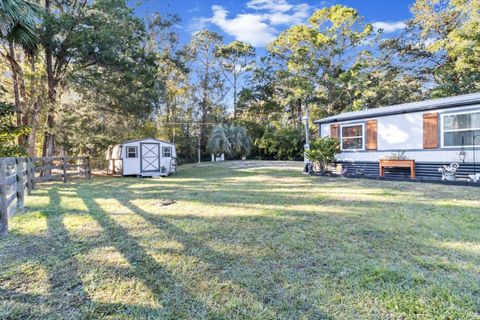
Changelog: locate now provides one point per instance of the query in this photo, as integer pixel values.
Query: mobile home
(432, 133)
(147, 157)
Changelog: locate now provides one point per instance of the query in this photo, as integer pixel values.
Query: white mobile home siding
(404, 132)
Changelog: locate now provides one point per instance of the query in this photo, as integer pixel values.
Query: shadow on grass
(306, 249)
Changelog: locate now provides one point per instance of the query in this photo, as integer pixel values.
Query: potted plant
(397, 156)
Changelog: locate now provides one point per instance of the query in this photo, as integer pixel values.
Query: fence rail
(20, 174)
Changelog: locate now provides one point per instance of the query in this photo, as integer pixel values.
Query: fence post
(3, 199)
(28, 163)
(20, 184)
(64, 167)
(88, 172)
(32, 173)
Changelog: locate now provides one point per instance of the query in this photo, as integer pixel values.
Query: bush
(282, 142)
(322, 152)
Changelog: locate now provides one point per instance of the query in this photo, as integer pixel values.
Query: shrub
(282, 142)
(322, 152)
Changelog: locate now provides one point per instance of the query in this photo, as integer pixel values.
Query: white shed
(147, 157)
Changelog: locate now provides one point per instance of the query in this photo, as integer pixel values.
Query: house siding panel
(423, 170)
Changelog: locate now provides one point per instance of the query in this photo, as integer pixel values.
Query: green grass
(243, 240)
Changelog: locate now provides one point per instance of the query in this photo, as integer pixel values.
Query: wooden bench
(397, 164)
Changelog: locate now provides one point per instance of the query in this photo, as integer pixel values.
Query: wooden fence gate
(20, 174)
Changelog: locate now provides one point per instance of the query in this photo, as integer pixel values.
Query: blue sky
(259, 21)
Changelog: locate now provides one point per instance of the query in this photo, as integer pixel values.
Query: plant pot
(451, 178)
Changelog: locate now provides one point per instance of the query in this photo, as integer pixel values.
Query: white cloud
(257, 27)
(389, 27)
(244, 27)
(298, 14)
(198, 24)
(273, 5)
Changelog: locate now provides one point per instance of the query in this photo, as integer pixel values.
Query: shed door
(149, 157)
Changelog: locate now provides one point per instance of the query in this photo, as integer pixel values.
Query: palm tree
(17, 23)
(218, 142)
(229, 139)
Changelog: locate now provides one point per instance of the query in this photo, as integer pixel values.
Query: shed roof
(449, 102)
(137, 140)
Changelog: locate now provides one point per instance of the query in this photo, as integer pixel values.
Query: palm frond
(17, 23)
(218, 141)
(229, 139)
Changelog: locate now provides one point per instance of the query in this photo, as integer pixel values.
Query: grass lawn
(243, 240)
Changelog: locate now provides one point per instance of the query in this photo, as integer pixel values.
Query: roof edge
(137, 140)
(424, 105)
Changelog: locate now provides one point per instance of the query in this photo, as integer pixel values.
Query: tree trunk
(203, 127)
(234, 97)
(19, 91)
(49, 136)
(299, 111)
(35, 110)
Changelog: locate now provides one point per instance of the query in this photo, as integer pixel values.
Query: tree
(99, 47)
(17, 28)
(236, 59)
(175, 117)
(382, 82)
(260, 101)
(451, 30)
(322, 59)
(9, 132)
(441, 46)
(230, 139)
(210, 89)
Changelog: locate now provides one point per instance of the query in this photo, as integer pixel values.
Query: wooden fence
(20, 174)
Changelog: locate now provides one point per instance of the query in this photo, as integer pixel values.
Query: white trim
(127, 152)
(163, 151)
(362, 124)
(442, 128)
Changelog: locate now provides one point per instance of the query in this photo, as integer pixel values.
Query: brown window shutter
(335, 131)
(371, 135)
(430, 130)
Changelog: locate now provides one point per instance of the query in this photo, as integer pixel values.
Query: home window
(167, 152)
(460, 129)
(132, 152)
(352, 137)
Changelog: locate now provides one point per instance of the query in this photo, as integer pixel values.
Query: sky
(260, 21)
